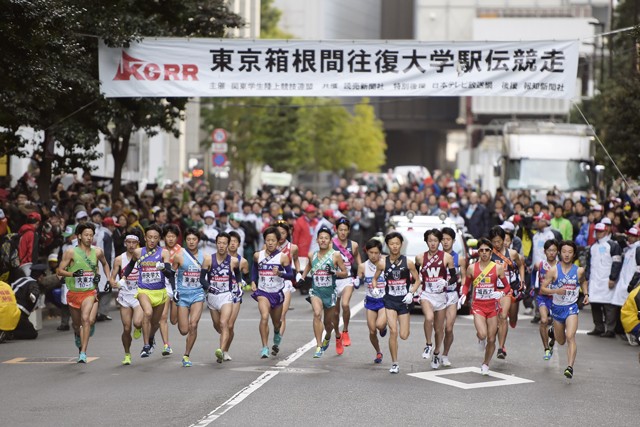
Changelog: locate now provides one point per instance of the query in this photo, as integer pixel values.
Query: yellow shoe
(127, 359)
(137, 333)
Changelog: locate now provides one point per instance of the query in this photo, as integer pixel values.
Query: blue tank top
(569, 282)
(150, 277)
(188, 275)
(452, 287)
(397, 277)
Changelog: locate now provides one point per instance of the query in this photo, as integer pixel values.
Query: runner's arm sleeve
(254, 273)
(616, 257)
(203, 279)
(466, 286)
(129, 268)
(170, 275)
(288, 273)
(453, 276)
(505, 282)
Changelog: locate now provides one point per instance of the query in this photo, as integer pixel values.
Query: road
(294, 388)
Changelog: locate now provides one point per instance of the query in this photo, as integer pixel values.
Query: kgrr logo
(138, 69)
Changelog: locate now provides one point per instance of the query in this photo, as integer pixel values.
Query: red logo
(138, 69)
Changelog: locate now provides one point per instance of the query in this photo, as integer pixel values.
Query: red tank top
(483, 290)
(433, 273)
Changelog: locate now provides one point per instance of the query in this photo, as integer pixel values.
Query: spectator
(563, 225)
(304, 231)
(477, 217)
(29, 242)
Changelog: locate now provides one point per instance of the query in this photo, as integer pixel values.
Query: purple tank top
(150, 277)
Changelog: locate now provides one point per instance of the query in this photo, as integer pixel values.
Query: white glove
(356, 282)
(298, 277)
(497, 295)
(408, 298)
(122, 283)
(160, 265)
(461, 301)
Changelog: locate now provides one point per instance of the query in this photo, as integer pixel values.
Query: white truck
(537, 156)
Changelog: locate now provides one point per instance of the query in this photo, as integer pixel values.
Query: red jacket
(302, 234)
(25, 246)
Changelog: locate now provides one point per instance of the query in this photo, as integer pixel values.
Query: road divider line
(263, 379)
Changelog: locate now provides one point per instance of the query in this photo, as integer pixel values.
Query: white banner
(224, 67)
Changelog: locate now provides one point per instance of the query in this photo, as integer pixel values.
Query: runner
(79, 267)
(513, 269)
(433, 266)
(563, 283)
(153, 264)
(220, 297)
(489, 285)
(350, 253)
(170, 234)
(373, 300)
(397, 272)
(291, 250)
(451, 312)
(130, 310)
(544, 301)
(239, 285)
(269, 271)
(326, 265)
(192, 266)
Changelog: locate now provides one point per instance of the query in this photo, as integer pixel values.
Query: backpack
(9, 252)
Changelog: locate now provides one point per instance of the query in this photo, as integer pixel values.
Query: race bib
(191, 279)
(150, 275)
(86, 281)
(484, 293)
(322, 280)
(397, 289)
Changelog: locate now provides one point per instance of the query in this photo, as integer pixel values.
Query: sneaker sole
(502, 356)
(275, 350)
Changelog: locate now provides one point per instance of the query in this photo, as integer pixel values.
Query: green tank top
(86, 263)
(323, 281)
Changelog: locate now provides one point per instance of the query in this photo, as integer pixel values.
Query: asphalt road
(294, 388)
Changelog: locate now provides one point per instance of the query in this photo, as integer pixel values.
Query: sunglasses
(484, 250)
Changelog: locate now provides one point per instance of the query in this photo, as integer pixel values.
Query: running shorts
(156, 296)
(127, 299)
(544, 301)
(561, 312)
(341, 284)
(275, 298)
(486, 310)
(216, 301)
(190, 296)
(437, 301)
(452, 298)
(328, 299)
(395, 304)
(74, 298)
(373, 304)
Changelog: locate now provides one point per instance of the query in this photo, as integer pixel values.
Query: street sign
(219, 147)
(219, 135)
(219, 159)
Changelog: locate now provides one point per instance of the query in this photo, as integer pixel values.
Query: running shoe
(552, 338)
(264, 354)
(127, 359)
(426, 354)
(632, 340)
(152, 344)
(226, 357)
(383, 332)
(137, 332)
(502, 353)
(395, 368)
(513, 322)
(92, 330)
(482, 344)
(339, 346)
(186, 363)
(325, 344)
(318, 353)
(219, 355)
(484, 369)
(445, 361)
(277, 339)
(166, 350)
(378, 358)
(568, 372)
(82, 358)
(547, 354)
(275, 350)
(78, 341)
(346, 339)
(435, 361)
(146, 351)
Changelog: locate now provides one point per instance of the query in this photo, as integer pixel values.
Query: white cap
(209, 214)
(82, 214)
(600, 226)
(606, 221)
(454, 205)
(597, 208)
(2, 214)
(451, 195)
(508, 226)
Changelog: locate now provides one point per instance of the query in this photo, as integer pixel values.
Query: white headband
(132, 237)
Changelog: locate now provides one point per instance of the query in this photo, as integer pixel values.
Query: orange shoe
(346, 339)
(339, 347)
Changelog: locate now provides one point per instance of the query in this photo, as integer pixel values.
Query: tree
(45, 87)
(365, 138)
(269, 19)
(614, 111)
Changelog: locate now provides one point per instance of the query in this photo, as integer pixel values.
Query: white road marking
(263, 379)
(436, 376)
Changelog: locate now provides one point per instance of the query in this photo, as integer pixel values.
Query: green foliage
(269, 18)
(614, 111)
